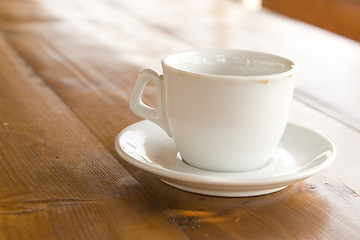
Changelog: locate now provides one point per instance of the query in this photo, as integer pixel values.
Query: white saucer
(301, 154)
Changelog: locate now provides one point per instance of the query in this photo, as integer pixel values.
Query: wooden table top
(66, 71)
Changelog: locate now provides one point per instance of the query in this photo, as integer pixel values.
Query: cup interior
(228, 62)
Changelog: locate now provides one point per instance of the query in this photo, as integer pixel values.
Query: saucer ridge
(301, 153)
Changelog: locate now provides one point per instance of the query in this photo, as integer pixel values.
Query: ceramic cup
(225, 109)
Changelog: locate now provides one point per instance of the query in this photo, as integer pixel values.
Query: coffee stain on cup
(263, 82)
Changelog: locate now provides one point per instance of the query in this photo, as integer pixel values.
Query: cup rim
(288, 73)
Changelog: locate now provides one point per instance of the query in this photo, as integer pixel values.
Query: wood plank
(57, 181)
(94, 78)
(102, 85)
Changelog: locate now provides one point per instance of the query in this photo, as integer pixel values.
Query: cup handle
(156, 115)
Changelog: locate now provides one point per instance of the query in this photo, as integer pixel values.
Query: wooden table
(66, 71)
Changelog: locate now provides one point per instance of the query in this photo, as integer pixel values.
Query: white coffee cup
(225, 109)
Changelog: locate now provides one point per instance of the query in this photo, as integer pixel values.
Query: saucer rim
(224, 180)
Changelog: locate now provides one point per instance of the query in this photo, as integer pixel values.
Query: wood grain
(68, 71)
(57, 180)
